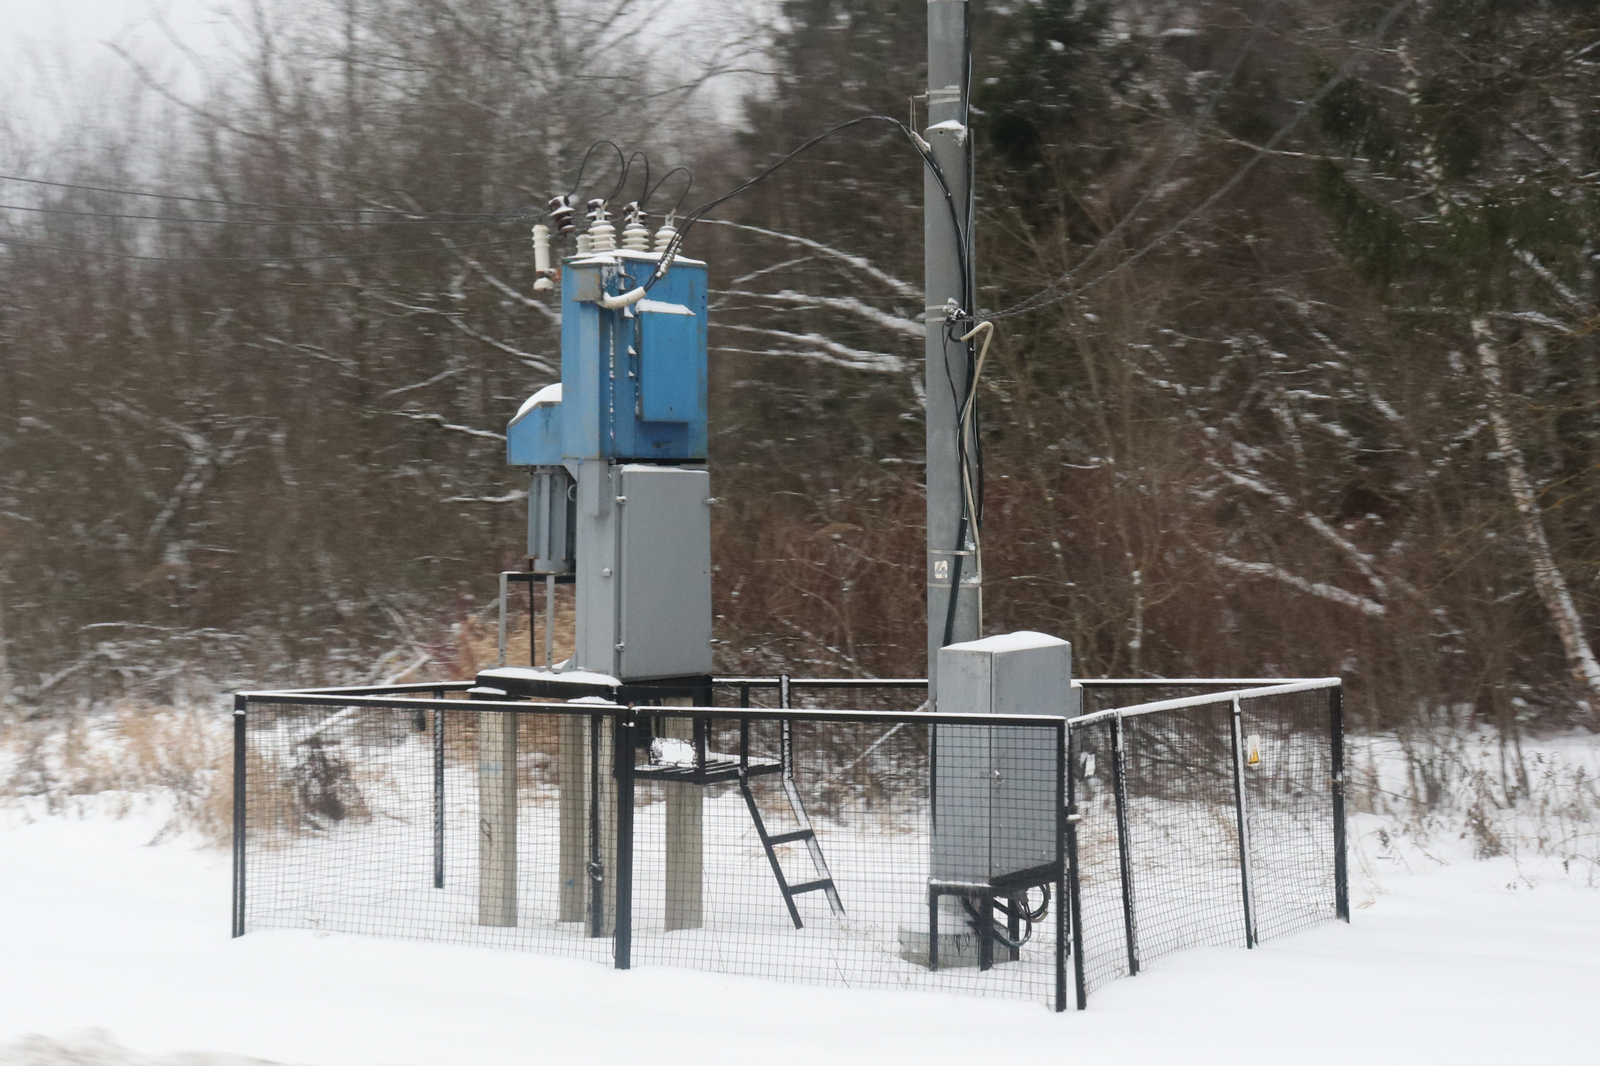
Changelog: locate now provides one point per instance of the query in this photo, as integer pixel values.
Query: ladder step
(790, 838)
(811, 886)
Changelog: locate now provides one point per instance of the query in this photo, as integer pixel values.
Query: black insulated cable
(622, 163)
(676, 244)
(689, 184)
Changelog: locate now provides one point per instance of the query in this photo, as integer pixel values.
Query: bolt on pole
(955, 596)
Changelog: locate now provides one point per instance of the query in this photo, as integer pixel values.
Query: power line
(706, 208)
(238, 203)
(248, 258)
(486, 221)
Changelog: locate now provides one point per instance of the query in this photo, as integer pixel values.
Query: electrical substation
(1000, 835)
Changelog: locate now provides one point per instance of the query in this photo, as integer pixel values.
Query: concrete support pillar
(497, 819)
(685, 841)
(607, 809)
(572, 770)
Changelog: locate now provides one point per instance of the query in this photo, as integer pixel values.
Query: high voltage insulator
(602, 234)
(561, 215)
(635, 236)
(664, 235)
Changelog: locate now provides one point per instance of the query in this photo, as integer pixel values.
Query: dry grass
(132, 755)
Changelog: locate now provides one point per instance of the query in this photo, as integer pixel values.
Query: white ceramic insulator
(541, 257)
(585, 245)
(664, 237)
(635, 238)
(603, 236)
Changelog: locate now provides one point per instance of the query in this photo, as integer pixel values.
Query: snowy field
(116, 952)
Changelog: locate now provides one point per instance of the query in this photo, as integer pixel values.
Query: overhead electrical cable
(650, 194)
(622, 162)
(644, 186)
(97, 252)
(469, 215)
(922, 149)
(486, 221)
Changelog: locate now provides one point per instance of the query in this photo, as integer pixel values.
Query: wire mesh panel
(811, 860)
(424, 824)
(882, 849)
(797, 849)
(1200, 824)
(1101, 897)
(1289, 809)
(1183, 837)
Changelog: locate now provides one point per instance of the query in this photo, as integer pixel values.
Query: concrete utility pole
(953, 570)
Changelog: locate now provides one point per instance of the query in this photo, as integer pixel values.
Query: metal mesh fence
(1289, 810)
(1214, 822)
(1103, 933)
(800, 849)
(355, 826)
(891, 848)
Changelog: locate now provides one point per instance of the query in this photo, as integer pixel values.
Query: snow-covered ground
(111, 944)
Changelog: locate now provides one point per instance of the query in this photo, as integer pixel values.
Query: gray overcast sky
(55, 52)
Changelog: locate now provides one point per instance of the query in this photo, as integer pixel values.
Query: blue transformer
(633, 380)
(619, 492)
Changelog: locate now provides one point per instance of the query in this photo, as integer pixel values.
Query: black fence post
(623, 729)
(1074, 886)
(1246, 886)
(1063, 769)
(1124, 857)
(438, 792)
(239, 821)
(1341, 874)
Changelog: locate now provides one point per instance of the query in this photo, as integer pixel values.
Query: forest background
(1315, 387)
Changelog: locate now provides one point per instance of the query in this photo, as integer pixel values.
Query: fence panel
(1289, 806)
(837, 847)
(856, 797)
(791, 849)
(340, 823)
(1161, 797)
(1101, 897)
(1183, 832)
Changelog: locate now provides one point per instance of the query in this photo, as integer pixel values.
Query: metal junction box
(644, 577)
(995, 793)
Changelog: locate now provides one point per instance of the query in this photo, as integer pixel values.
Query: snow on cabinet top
(550, 395)
(624, 254)
(1004, 642)
(662, 307)
(565, 677)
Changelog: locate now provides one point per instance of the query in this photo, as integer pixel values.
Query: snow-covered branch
(443, 423)
(855, 262)
(847, 304)
(817, 347)
(1321, 590)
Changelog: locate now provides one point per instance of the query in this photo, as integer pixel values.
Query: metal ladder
(769, 841)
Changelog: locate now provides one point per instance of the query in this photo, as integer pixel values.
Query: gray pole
(952, 569)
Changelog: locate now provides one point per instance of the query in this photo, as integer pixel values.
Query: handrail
(1308, 685)
(797, 714)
